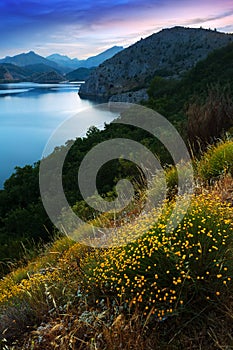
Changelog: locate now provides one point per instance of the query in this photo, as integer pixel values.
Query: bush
(217, 161)
(164, 272)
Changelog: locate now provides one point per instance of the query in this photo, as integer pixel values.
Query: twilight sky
(85, 28)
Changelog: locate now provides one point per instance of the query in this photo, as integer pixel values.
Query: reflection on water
(29, 114)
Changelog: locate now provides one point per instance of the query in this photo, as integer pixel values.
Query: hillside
(41, 68)
(170, 287)
(172, 97)
(163, 290)
(51, 77)
(79, 74)
(167, 96)
(169, 53)
(38, 73)
(10, 72)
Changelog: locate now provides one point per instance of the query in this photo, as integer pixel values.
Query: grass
(166, 289)
(217, 161)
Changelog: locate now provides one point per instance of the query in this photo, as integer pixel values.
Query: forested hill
(169, 53)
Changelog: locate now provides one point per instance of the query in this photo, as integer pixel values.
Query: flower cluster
(163, 269)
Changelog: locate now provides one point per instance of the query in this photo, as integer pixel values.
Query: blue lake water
(30, 113)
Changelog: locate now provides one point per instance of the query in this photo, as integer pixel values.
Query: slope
(169, 53)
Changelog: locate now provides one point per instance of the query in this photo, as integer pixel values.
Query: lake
(30, 113)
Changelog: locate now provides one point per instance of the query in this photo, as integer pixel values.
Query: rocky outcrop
(130, 97)
(169, 53)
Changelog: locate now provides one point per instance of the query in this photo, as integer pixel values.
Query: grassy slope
(165, 290)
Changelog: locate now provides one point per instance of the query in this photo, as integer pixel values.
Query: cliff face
(168, 53)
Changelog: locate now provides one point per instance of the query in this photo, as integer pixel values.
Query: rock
(169, 53)
(130, 97)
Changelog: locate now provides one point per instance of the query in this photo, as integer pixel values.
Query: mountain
(56, 62)
(98, 59)
(51, 77)
(10, 73)
(94, 61)
(168, 53)
(79, 74)
(39, 73)
(41, 68)
(30, 58)
(64, 62)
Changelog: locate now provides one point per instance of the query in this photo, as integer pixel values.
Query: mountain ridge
(168, 53)
(61, 63)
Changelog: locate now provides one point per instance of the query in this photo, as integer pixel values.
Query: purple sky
(85, 28)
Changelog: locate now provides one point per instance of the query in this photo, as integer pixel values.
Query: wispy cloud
(210, 18)
(80, 28)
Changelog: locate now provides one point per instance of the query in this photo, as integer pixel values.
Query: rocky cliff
(168, 53)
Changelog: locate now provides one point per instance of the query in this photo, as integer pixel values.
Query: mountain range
(31, 66)
(169, 53)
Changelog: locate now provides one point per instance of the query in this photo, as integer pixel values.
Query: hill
(10, 73)
(169, 53)
(166, 289)
(169, 97)
(41, 68)
(50, 77)
(79, 74)
(39, 73)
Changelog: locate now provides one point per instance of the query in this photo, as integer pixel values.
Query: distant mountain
(30, 58)
(169, 53)
(98, 59)
(39, 73)
(66, 62)
(48, 78)
(10, 73)
(79, 74)
(40, 68)
(56, 62)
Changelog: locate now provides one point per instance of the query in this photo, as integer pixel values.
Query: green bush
(217, 161)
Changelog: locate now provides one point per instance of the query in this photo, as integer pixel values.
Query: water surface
(30, 113)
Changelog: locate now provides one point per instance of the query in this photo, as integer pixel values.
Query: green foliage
(217, 161)
(170, 97)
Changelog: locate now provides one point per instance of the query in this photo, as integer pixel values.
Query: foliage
(208, 120)
(217, 161)
(163, 271)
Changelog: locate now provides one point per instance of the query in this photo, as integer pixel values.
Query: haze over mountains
(31, 66)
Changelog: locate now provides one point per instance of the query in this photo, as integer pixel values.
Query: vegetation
(202, 84)
(24, 222)
(172, 287)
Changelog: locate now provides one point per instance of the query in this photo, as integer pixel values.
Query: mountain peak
(168, 53)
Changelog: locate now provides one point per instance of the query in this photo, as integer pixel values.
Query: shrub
(164, 272)
(217, 161)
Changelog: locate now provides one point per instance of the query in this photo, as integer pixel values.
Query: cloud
(210, 18)
(81, 28)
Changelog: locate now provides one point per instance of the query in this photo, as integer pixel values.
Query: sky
(85, 28)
